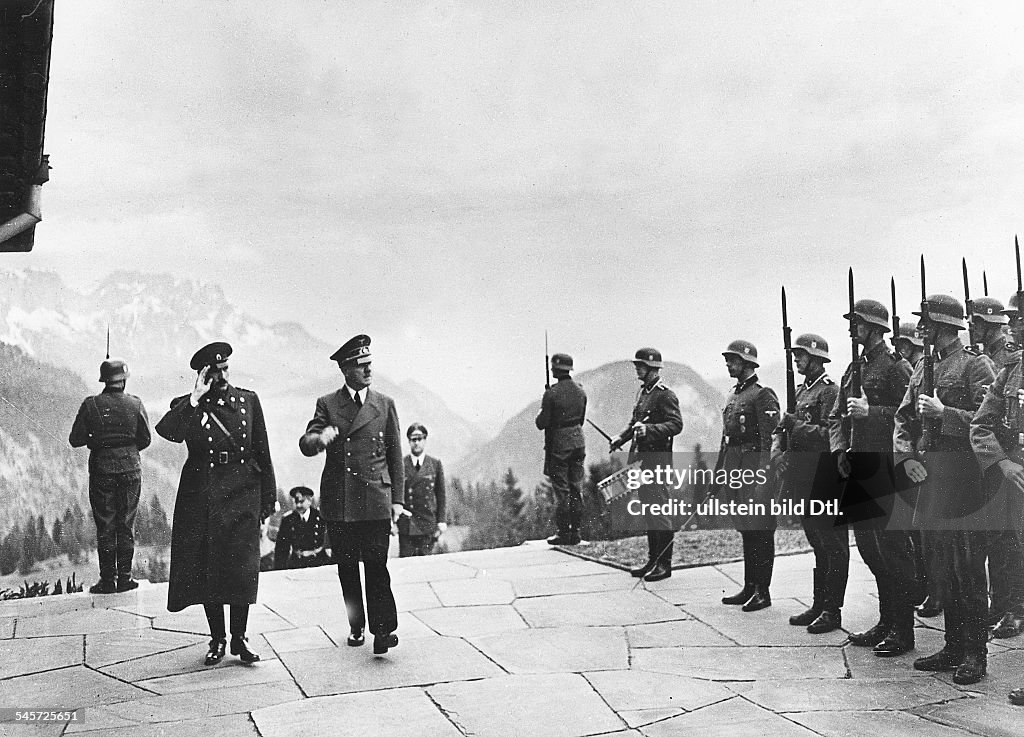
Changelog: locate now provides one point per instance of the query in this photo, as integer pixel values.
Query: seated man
(300, 540)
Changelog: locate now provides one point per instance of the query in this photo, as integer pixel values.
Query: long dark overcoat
(227, 481)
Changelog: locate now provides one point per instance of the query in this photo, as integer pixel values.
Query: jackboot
(809, 615)
(761, 599)
(972, 670)
(828, 621)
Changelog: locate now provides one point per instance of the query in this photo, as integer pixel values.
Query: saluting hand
(202, 386)
(929, 407)
(857, 407)
(327, 435)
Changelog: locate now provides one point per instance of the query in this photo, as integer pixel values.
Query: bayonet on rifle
(968, 304)
(787, 343)
(928, 383)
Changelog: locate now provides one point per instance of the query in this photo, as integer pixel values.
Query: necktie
(417, 464)
(359, 401)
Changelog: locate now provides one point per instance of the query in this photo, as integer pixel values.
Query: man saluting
(361, 490)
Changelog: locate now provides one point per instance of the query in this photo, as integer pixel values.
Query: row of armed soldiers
(921, 455)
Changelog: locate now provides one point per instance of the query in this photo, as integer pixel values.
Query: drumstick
(605, 435)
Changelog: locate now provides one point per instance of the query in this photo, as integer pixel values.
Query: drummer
(655, 422)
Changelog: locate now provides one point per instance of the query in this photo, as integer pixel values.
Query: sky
(455, 178)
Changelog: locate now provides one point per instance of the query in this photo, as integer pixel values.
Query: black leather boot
(660, 572)
(809, 615)
(871, 637)
(972, 670)
(828, 621)
(943, 661)
(642, 570)
(740, 597)
(761, 599)
(239, 648)
(897, 642)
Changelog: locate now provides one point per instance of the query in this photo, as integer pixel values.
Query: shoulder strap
(227, 435)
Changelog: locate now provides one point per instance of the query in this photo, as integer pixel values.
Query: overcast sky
(453, 178)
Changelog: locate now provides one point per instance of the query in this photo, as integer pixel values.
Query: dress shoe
(930, 608)
(828, 621)
(895, 643)
(1016, 696)
(805, 617)
(871, 637)
(642, 570)
(355, 638)
(382, 643)
(239, 648)
(971, 670)
(941, 662)
(760, 600)
(1009, 625)
(103, 586)
(740, 597)
(126, 584)
(564, 538)
(216, 652)
(660, 572)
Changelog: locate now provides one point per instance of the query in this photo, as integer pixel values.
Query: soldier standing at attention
(997, 436)
(1005, 558)
(227, 489)
(927, 553)
(749, 417)
(114, 426)
(931, 442)
(361, 491)
(301, 539)
(423, 520)
(811, 475)
(655, 422)
(860, 436)
(562, 412)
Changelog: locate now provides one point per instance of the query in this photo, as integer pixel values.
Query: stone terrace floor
(517, 641)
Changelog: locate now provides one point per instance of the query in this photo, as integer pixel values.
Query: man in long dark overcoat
(227, 489)
(361, 490)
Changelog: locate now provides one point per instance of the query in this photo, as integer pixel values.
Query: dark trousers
(933, 564)
(366, 541)
(566, 473)
(758, 557)
(1006, 572)
(215, 617)
(966, 607)
(412, 545)
(831, 546)
(115, 500)
(889, 554)
(659, 546)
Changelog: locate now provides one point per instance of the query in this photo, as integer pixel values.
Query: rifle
(968, 304)
(787, 343)
(895, 319)
(108, 341)
(547, 363)
(984, 282)
(855, 378)
(1020, 289)
(928, 383)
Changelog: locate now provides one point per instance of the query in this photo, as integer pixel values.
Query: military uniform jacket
(562, 412)
(810, 472)
(295, 535)
(363, 474)
(953, 487)
(226, 484)
(657, 407)
(1002, 352)
(115, 427)
(884, 378)
(997, 427)
(424, 496)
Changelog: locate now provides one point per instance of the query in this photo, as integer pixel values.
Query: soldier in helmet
(1005, 559)
(860, 437)
(115, 427)
(810, 475)
(656, 420)
(908, 343)
(931, 442)
(749, 418)
(997, 436)
(562, 411)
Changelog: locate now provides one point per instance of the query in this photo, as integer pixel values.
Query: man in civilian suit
(361, 490)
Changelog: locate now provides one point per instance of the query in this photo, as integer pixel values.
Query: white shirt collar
(304, 516)
(362, 393)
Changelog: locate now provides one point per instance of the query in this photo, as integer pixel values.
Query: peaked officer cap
(990, 309)
(303, 490)
(214, 354)
(649, 357)
(909, 333)
(113, 369)
(945, 309)
(742, 349)
(813, 344)
(356, 351)
(871, 312)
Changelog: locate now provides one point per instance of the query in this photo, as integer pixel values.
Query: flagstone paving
(516, 641)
